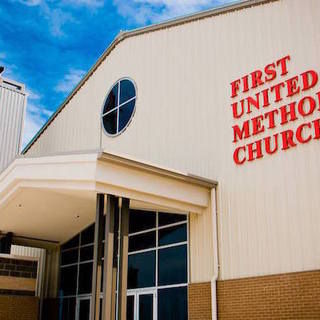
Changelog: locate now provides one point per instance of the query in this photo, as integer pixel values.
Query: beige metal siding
(201, 247)
(268, 210)
(12, 107)
(77, 127)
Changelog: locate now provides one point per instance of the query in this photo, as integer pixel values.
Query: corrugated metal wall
(40, 255)
(77, 127)
(12, 107)
(268, 210)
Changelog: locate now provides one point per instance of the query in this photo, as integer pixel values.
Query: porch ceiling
(47, 214)
(53, 198)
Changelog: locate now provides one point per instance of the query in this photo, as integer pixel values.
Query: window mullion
(118, 106)
(157, 238)
(110, 111)
(126, 89)
(173, 225)
(127, 101)
(141, 232)
(78, 264)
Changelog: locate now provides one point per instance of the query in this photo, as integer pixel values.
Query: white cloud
(74, 3)
(32, 95)
(36, 113)
(70, 80)
(10, 70)
(85, 3)
(56, 16)
(36, 116)
(57, 19)
(31, 3)
(32, 125)
(145, 11)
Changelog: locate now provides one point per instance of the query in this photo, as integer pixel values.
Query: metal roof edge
(157, 170)
(9, 84)
(218, 10)
(233, 6)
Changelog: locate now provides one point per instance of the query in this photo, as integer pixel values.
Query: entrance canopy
(53, 198)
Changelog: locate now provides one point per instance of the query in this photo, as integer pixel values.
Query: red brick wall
(18, 308)
(288, 296)
(199, 301)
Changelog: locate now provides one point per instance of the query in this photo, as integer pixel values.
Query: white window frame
(137, 295)
(78, 300)
(77, 263)
(118, 106)
(156, 249)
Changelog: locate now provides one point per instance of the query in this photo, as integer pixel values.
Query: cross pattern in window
(119, 107)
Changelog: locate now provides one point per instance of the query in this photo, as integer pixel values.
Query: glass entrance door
(83, 308)
(141, 305)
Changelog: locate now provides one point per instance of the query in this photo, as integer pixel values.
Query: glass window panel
(87, 235)
(110, 122)
(125, 113)
(145, 306)
(112, 99)
(169, 218)
(127, 90)
(72, 308)
(85, 278)
(172, 304)
(102, 270)
(142, 241)
(141, 270)
(103, 227)
(173, 235)
(86, 253)
(141, 220)
(130, 308)
(70, 256)
(100, 313)
(114, 120)
(64, 309)
(73, 243)
(84, 309)
(68, 306)
(173, 265)
(68, 280)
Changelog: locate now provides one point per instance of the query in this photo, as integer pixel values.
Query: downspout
(214, 300)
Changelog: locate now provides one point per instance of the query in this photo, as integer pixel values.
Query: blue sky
(49, 44)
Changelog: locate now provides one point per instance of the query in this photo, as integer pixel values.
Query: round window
(119, 107)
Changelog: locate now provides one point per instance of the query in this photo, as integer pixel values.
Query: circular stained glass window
(119, 107)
